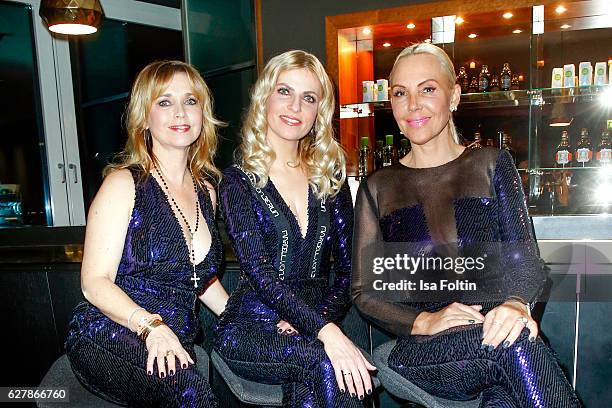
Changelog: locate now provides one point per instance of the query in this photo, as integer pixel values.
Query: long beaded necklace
(194, 278)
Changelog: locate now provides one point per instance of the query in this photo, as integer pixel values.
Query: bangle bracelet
(150, 327)
(147, 323)
(129, 320)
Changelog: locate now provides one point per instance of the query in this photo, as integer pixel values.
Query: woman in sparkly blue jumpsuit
(151, 250)
(445, 201)
(287, 209)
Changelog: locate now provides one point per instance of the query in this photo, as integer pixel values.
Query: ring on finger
(523, 320)
(495, 322)
(471, 321)
(169, 353)
(347, 373)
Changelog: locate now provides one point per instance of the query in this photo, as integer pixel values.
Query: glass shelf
(499, 99)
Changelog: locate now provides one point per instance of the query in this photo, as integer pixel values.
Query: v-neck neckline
(184, 245)
(294, 217)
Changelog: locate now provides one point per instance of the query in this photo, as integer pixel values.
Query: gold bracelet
(145, 323)
(149, 328)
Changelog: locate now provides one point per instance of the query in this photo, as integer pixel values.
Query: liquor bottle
(563, 152)
(404, 148)
(365, 158)
(584, 149)
(505, 77)
(484, 79)
(473, 88)
(462, 80)
(507, 145)
(378, 155)
(388, 151)
(515, 84)
(490, 142)
(604, 150)
(477, 143)
(494, 87)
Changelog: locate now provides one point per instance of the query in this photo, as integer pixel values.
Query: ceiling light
(517, 31)
(560, 10)
(472, 64)
(564, 26)
(410, 26)
(386, 44)
(459, 20)
(73, 17)
(366, 31)
(507, 15)
(473, 35)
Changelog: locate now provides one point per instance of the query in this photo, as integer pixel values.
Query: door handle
(62, 168)
(73, 167)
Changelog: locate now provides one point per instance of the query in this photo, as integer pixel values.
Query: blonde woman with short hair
(287, 209)
(152, 249)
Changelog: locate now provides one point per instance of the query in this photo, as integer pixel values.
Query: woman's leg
(452, 365)
(119, 379)
(258, 352)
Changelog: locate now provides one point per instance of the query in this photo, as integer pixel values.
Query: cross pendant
(195, 279)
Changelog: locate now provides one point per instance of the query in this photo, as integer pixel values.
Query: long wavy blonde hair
(321, 155)
(447, 67)
(150, 83)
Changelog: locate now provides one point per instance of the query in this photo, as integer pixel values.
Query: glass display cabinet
(535, 80)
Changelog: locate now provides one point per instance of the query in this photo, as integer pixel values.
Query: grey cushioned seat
(60, 375)
(250, 392)
(402, 388)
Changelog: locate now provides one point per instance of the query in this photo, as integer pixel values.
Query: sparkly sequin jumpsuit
(155, 272)
(474, 200)
(247, 336)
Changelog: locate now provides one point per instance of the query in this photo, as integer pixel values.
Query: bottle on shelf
(490, 142)
(507, 145)
(563, 152)
(388, 151)
(484, 79)
(365, 158)
(584, 149)
(477, 143)
(515, 83)
(378, 155)
(603, 154)
(462, 80)
(494, 87)
(505, 78)
(473, 88)
(404, 148)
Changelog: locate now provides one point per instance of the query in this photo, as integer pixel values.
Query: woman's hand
(286, 328)
(350, 366)
(455, 314)
(505, 323)
(163, 345)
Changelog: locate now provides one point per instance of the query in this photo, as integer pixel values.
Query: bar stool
(404, 389)
(60, 375)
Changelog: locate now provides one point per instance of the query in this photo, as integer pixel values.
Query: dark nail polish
(279, 330)
(163, 375)
(171, 372)
(149, 372)
(471, 321)
(361, 397)
(531, 339)
(185, 365)
(342, 390)
(353, 394)
(483, 346)
(369, 392)
(490, 347)
(506, 344)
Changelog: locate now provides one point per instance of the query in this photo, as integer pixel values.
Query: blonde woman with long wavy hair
(287, 208)
(151, 249)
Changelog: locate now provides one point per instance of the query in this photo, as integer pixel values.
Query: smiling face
(292, 107)
(175, 119)
(421, 98)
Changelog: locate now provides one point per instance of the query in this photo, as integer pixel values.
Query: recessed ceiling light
(507, 15)
(410, 26)
(564, 26)
(560, 10)
(366, 31)
(387, 44)
(473, 35)
(459, 20)
(517, 31)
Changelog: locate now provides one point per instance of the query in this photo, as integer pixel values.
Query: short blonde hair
(148, 86)
(447, 67)
(319, 152)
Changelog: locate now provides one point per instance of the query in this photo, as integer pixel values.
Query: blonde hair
(447, 67)
(319, 152)
(150, 83)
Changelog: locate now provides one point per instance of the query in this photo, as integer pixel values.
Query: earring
(453, 108)
(147, 137)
